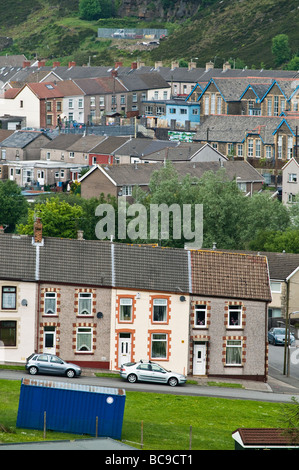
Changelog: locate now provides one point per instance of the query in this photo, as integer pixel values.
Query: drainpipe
(37, 241)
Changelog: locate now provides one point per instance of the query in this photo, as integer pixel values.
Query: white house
(290, 181)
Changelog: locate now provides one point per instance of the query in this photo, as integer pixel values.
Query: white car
(147, 371)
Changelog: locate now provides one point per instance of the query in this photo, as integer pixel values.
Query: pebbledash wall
(82, 337)
(216, 333)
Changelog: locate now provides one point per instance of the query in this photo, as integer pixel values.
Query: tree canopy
(13, 205)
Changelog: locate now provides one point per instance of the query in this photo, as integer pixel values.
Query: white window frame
(219, 103)
(50, 298)
(80, 331)
(258, 148)
(159, 338)
(85, 298)
(292, 178)
(207, 105)
(232, 311)
(200, 323)
(157, 304)
(231, 345)
(250, 148)
(240, 150)
(127, 190)
(275, 287)
(125, 309)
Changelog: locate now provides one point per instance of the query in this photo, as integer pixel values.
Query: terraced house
(100, 304)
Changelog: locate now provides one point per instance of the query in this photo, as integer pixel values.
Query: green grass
(166, 420)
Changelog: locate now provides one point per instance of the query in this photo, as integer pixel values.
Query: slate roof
(17, 257)
(76, 261)
(232, 88)
(233, 128)
(153, 268)
(146, 81)
(95, 86)
(109, 145)
(230, 275)
(20, 139)
(62, 141)
(101, 263)
(141, 174)
(141, 147)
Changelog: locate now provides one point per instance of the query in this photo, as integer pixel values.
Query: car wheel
(172, 381)
(70, 373)
(132, 378)
(33, 370)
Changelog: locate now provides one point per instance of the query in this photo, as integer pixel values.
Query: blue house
(177, 109)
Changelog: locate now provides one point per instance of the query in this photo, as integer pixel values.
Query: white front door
(50, 339)
(199, 359)
(124, 348)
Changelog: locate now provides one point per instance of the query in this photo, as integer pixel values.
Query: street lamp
(288, 342)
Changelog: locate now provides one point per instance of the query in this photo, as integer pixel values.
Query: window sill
(234, 365)
(83, 353)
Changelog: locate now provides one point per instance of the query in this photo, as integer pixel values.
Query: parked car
(147, 371)
(277, 336)
(50, 364)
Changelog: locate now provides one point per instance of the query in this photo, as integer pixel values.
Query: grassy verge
(166, 420)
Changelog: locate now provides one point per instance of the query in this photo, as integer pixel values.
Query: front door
(124, 348)
(199, 359)
(50, 339)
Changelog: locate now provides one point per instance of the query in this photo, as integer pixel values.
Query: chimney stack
(209, 66)
(26, 63)
(134, 65)
(56, 64)
(191, 65)
(226, 66)
(1, 229)
(38, 230)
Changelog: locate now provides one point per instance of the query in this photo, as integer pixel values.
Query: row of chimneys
(135, 65)
(42, 63)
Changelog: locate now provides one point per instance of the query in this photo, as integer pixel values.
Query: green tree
(59, 219)
(13, 205)
(89, 9)
(281, 49)
(294, 63)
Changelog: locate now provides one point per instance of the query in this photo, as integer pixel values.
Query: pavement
(277, 383)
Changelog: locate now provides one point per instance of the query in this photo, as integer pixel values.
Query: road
(187, 389)
(276, 360)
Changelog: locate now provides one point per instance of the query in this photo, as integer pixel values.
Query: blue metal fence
(73, 408)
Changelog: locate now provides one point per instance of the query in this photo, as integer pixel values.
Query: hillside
(218, 30)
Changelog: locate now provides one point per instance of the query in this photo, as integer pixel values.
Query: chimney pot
(80, 235)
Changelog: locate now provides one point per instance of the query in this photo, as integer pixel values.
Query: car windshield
(279, 331)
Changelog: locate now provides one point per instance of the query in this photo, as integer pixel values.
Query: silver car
(147, 371)
(50, 364)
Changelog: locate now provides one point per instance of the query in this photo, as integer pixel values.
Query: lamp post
(288, 341)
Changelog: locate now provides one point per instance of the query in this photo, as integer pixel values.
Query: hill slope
(207, 29)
